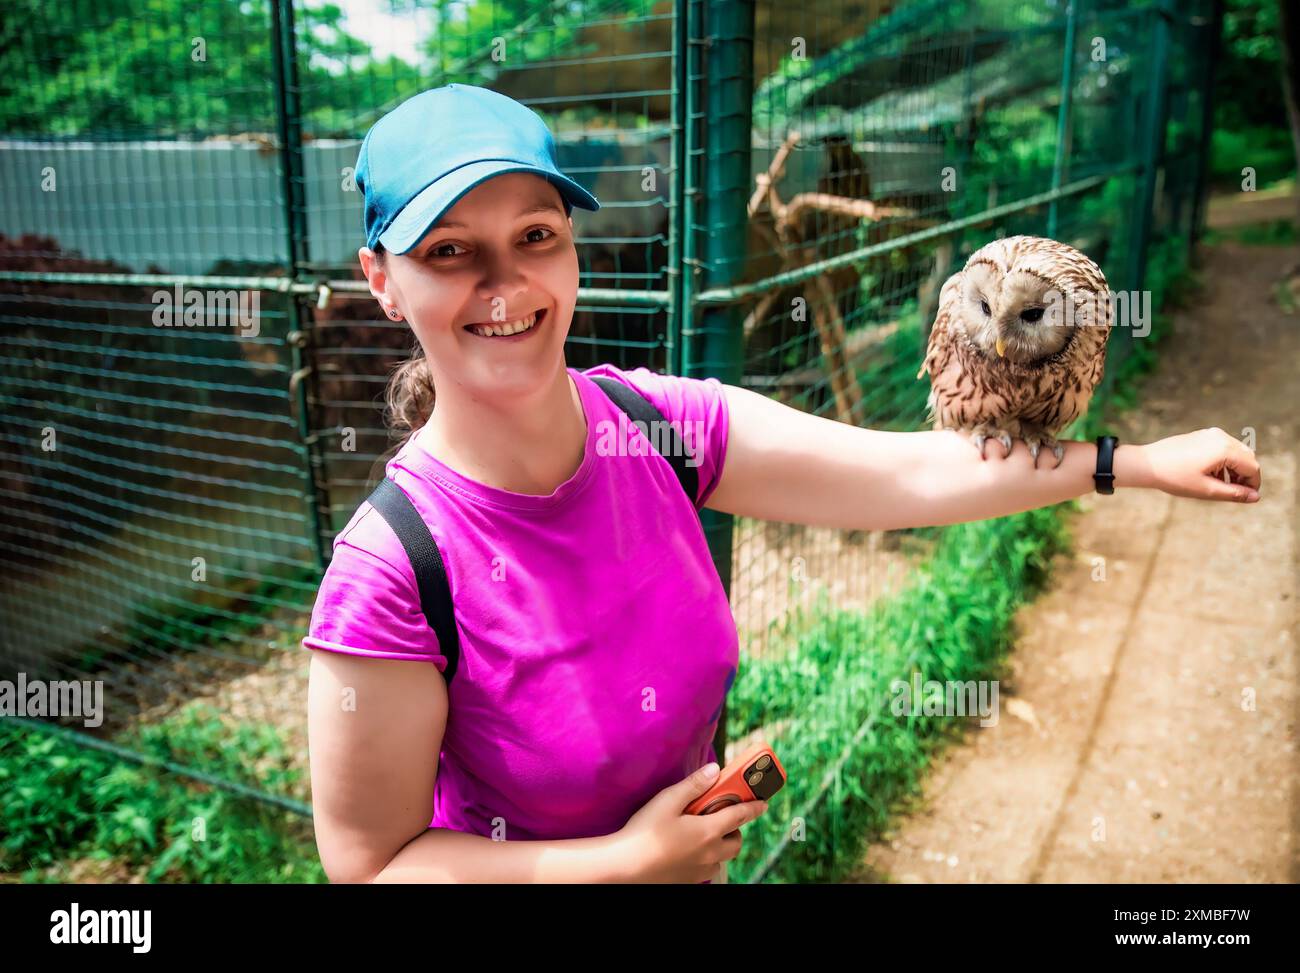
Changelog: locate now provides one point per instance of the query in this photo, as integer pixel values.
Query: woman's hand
(661, 844)
(1192, 465)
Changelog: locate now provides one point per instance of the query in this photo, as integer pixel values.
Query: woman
(596, 640)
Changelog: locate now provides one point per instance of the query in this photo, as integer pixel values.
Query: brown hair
(409, 396)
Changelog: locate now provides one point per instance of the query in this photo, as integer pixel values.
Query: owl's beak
(1001, 347)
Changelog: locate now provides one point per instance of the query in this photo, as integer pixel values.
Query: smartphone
(754, 775)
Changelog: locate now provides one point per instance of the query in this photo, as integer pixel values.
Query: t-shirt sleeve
(368, 603)
(699, 404)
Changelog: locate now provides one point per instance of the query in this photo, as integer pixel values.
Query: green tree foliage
(1248, 87)
(1250, 123)
(167, 68)
(163, 68)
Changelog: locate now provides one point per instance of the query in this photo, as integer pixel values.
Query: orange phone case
(755, 775)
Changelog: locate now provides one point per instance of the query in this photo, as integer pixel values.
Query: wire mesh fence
(191, 366)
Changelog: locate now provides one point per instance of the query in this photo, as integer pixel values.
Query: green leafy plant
(60, 801)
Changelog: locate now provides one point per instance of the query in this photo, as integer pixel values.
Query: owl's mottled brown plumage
(1049, 362)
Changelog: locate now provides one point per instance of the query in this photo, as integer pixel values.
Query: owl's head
(1022, 297)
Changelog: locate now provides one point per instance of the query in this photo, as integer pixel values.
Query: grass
(60, 800)
(1275, 233)
(856, 759)
(1267, 150)
(859, 763)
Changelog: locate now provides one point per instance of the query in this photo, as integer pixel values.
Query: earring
(393, 313)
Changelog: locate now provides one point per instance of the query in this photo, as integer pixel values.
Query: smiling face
(502, 255)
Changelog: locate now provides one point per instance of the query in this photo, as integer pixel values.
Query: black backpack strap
(430, 574)
(641, 409)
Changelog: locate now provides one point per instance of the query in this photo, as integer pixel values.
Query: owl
(1018, 343)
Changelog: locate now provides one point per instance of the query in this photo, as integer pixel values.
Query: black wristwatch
(1105, 475)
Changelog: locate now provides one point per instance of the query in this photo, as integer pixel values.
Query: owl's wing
(1070, 390)
(1094, 362)
(939, 348)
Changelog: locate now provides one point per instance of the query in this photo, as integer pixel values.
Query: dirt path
(1136, 758)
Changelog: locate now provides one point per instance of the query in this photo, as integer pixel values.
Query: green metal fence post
(1151, 157)
(1063, 117)
(726, 87)
(288, 112)
(284, 56)
(678, 280)
(1153, 142)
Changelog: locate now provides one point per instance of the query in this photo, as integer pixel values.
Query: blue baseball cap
(433, 148)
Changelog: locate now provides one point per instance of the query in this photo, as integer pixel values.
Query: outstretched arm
(786, 465)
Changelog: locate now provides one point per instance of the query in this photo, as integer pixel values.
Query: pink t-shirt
(597, 643)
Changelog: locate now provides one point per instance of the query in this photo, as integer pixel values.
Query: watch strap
(1104, 477)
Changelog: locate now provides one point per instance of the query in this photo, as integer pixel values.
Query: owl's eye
(1031, 314)
(984, 306)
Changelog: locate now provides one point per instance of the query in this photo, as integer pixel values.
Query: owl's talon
(980, 436)
(1036, 438)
